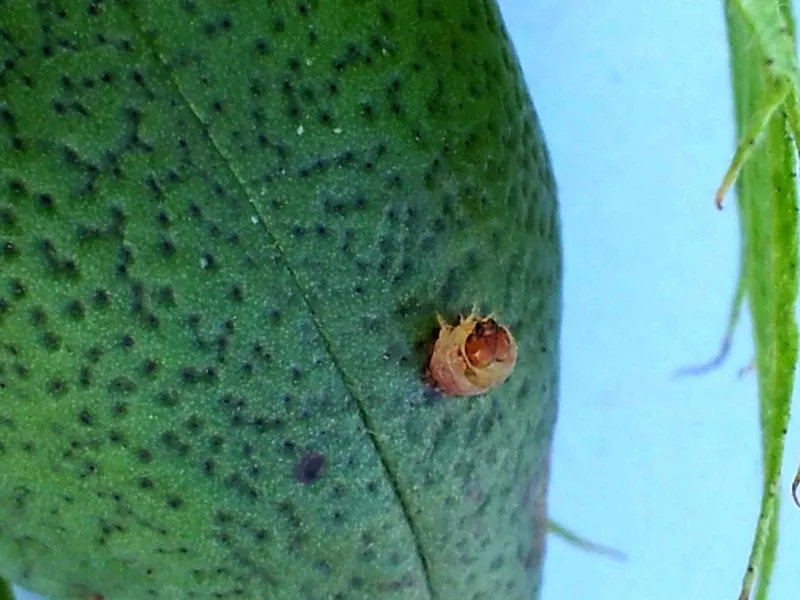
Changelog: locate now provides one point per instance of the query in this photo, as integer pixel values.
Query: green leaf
(6, 591)
(226, 230)
(582, 543)
(766, 88)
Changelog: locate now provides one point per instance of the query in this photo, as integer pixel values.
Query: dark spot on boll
(236, 293)
(17, 288)
(38, 316)
(75, 309)
(310, 467)
(175, 502)
(166, 295)
(121, 385)
(216, 442)
(9, 249)
(94, 354)
(51, 341)
(356, 583)
(168, 398)
(190, 375)
(223, 517)
(260, 535)
(101, 298)
(173, 442)
(288, 447)
(85, 376)
(56, 387)
(167, 247)
(149, 367)
(338, 490)
(194, 423)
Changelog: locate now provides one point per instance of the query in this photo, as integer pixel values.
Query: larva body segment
(472, 357)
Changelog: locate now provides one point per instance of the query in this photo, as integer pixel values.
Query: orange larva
(472, 357)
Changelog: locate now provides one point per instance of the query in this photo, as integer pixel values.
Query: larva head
(489, 343)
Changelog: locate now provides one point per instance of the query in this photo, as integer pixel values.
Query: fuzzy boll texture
(226, 230)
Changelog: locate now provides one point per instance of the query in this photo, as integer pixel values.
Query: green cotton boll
(226, 230)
